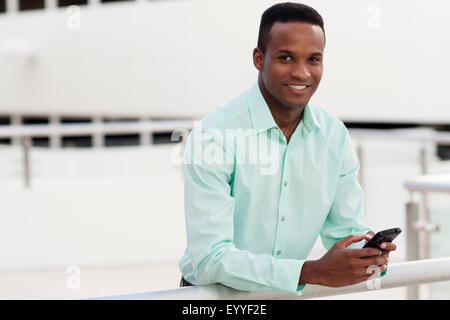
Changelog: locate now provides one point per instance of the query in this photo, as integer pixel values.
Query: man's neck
(286, 118)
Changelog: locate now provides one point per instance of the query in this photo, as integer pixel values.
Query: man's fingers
(365, 252)
(370, 235)
(370, 270)
(390, 246)
(372, 261)
(344, 243)
(363, 278)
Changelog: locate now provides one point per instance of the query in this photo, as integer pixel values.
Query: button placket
(280, 240)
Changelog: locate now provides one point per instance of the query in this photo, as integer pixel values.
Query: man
(252, 218)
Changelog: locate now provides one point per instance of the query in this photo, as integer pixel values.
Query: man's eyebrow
(284, 51)
(291, 53)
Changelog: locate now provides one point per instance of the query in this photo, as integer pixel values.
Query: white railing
(39, 130)
(398, 275)
(411, 134)
(418, 224)
(24, 133)
(77, 129)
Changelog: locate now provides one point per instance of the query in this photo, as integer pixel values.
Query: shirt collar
(260, 114)
(262, 118)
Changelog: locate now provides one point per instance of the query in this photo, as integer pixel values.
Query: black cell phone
(387, 235)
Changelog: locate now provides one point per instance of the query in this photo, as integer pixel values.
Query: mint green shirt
(255, 204)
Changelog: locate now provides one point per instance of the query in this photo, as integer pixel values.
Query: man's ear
(258, 59)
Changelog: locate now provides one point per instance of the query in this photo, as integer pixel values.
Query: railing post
(412, 245)
(359, 152)
(26, 144)
(16, 120)
(98, 136)
(12, 6)
(145, 136)
(424, 216)
(55, 138)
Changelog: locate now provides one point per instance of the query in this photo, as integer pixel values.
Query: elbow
(210, 268)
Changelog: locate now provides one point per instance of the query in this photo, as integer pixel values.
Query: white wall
(384, 60)
(115, 206)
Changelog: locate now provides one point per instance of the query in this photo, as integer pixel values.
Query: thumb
(344, 243)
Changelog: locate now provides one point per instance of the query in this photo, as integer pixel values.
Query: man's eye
(286, 58)
(313, 59)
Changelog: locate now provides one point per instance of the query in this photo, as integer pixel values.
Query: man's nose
(300, 71)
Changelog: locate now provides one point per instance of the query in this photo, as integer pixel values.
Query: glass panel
(66, 3)
(114, 0)
(31, 4)
(2, 6)
(439, 213)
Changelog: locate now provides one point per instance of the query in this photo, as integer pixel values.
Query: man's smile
(298, 88)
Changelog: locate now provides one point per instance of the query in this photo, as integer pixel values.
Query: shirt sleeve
(346, 213)
(209, 210)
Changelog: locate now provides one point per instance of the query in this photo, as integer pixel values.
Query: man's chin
(295, 105)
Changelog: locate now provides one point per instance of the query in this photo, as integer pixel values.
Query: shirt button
(285, 183)
(283, 218)
(278, 252)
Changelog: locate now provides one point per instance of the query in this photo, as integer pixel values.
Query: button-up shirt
(255, 204)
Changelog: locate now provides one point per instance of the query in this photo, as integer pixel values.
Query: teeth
(297, 87)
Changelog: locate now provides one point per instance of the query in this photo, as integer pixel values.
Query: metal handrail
(398, 275)
(412, 134)
(74, 129)
(429, 183)
(7, 131)
(418, 224)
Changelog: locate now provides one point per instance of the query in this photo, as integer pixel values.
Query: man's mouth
(298, 88)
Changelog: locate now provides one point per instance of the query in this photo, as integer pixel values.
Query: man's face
(291, 68)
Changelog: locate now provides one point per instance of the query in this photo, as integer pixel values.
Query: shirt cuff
(295, 266)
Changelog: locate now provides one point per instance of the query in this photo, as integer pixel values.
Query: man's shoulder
(233, 114)
(329, 123)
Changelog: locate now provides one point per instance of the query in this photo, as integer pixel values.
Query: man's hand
(386, 247)
(343, 267)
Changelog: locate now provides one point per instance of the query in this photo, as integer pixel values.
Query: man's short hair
(286, 12)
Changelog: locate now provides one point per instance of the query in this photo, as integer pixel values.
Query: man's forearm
(309, 274)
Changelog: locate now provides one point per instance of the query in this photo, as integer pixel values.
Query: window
(114, 140)
(104, 1)
(164, 138)
(66, 3)
(37, 141)
(2, 6)
(4, 120)
(76, 141)
(31, 4)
